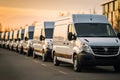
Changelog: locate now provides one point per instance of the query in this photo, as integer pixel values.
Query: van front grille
(102, 50)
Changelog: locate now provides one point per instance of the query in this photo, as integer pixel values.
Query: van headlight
(30, 44)
(49, 45)
(86, 48)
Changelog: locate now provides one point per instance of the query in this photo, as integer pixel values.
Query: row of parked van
(79, 39)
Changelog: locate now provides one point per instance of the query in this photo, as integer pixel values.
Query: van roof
(46, 24)
(89, 18)
(84, 18)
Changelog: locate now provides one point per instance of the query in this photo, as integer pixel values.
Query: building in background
(111, 10)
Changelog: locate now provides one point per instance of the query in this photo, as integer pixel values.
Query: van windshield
(31, 35)
(49, 32)
(22, 36)
(94, 30)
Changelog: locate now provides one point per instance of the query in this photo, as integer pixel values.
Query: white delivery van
(7, 40)
(0, 38)
(10, 47)
(84, 40)
(15, 37)
(26, 45)
(42, 42)
(3, 39)
(20, 40)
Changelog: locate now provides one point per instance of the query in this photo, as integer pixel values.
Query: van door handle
(67, 43)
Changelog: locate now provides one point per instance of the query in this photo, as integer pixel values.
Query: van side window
(71, 29)
(71, 32)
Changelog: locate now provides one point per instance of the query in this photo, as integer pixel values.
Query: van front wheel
(21, 50)
(117, 68)
(44, 57)
(29, 52)
(34, 55)
(76, 64)
(55, 61)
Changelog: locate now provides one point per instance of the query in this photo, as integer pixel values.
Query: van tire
(21, 50)
(29, 52)
(117, 68)
(12, 48)
(55, 61)
(17, 49)
(34, 55)
(76, 64)
(44, 57)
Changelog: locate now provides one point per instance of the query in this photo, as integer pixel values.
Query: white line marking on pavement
(36, 61)
(26, 57)
(43, 64)
(62, 72)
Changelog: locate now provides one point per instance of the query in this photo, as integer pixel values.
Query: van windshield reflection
(94, 30)
(31, 35)
(49, 32)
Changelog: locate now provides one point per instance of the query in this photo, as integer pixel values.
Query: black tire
(21, 50)
(17, 49)
(44, 57)
(34, 55)
(76, 64)
(12, 48)
(29, 52)
(117, 68)
(55, 61)
(8, 47)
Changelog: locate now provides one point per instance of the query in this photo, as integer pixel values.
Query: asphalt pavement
(14, 66)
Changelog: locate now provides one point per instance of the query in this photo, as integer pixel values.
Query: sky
(16, 13)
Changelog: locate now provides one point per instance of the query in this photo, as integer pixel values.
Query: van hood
(101, 41)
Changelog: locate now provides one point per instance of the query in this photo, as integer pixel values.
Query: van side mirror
(74, 37)
(42, 38)
(70, 36)
(26, 38)
(118, 35)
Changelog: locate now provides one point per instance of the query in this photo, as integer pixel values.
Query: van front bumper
(89, 59)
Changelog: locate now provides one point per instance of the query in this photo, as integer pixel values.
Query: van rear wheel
(21, 50)
(76, 64)
(34, 55)
(29, 52)
(55, 61)
(44, 57)
(117, 68)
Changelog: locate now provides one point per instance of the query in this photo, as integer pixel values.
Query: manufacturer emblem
(106, 49)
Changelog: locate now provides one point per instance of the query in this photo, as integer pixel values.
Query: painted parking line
(62, 72)
(36, 61)
(43, 64)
